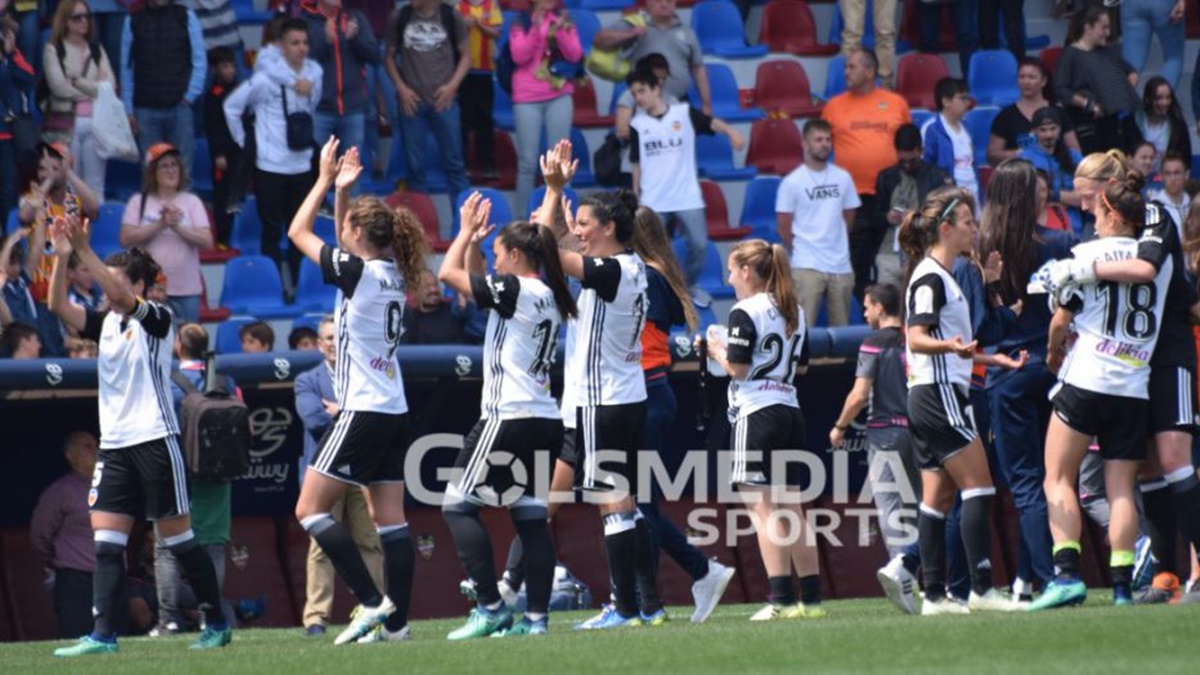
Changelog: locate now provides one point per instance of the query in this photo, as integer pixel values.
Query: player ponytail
(138, 265)
(652, 245)
(1103, 166)
(773, 265)
(1124, 200)
(1191, 237)
(395, 230)
(919, 231)
(540, 247)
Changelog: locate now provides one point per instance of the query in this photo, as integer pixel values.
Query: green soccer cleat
(212, 638)
(86, 646)
(525, 627)
(483, 622)
(1060, 593)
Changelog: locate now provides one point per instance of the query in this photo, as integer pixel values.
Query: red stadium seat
(586, 114)
(1049, 58)
(910, 28)
(782, 86)
(255, 570)
(210, 314)
(422, 206)
(218, 253)
(24, 594)
(788, 26)
(506, 162)
(1192, 17)
(917, 75)
(717, 214)
(775, 146)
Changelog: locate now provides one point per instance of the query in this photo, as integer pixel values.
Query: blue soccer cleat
(609, 617)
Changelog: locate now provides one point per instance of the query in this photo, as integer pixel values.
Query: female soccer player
(941, 351)
(378, 252)
(140, 472)
(519, 416)
(1103, 392)
(766, 348)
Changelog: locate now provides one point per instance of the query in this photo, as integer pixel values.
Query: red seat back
(783, 85)
(420, 204)
(775, 146)
(917, 75)
(788, 26)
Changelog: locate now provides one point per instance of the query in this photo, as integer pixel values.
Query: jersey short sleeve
(701, 123)
(665, 309)
(1153, 243)
(154, 317)
(742, 337)
(868, 357)
(496, 292)
(635, 145)
(602, 275)
(928, 298)
(341, 269)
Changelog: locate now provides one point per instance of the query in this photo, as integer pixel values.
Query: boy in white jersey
(1103, 392)
(140, 471)
(519, 416)
(767, 347)
(378, 250)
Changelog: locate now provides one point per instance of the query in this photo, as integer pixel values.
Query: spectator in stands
(74, 65)
(225, 152)
(172, 225)
(60, 532)
(663, 33)
(18, 300)
(83, 290)
(303, 338)
(1012, 14)
(1172, 195)
(16, 77)
(381, 98)
(341, 41)
(1160, 120)
(79, 348)
(1096, 85)
(476, 95)
(21, 341)
(211, 499)
(1164, 18)
(1012, 130)
(26, 14)
(1142, 157)
(966, 28)
(1050, 216)
(108, 18)
(430, 39)
(546, 52)
(900, 190)
(257, 338)
(163, 66)
(657, 64)
(865, 119)
(284, 173)
(218, 24)
(1051, 155)
(814, 211)
(431, 319)
(316, 404)
(854, 19)
(947, 141)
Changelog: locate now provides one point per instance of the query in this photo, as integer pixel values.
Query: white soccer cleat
(507, 593)
(364, 619)
(708, 590)
(946, 605)
(898, 584)
(382, 634)
(992, 601)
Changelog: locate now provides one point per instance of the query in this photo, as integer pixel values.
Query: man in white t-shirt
(946, 139)
(814, 211)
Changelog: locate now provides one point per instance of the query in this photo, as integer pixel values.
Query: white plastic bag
(110, 125)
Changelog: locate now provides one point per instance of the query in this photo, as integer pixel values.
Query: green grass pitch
(859, 636)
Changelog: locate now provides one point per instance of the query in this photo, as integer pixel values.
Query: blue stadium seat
(718, 26)
(122, 180)
(587, 24)
(309, 320)
(714, 159)
(252, 286)
(618, 89)
(326, 230)
(246, 13)
(312, 293)
(228, 341)
(106, 231)
(712, 279)
(501, 212)
(992, 77)
(835, 77)
(435, 174)
(502, 108)
(201, 169)
(13, 222)
(603, 5)
(726, 99)
(246, 233)
(707, 316)
(920, 117)
(758, 207)
(979, 124)
(539, 193)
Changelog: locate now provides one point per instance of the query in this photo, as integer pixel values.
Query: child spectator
(21, 341)
(83, 290)
(225, 153)
(483, 20)
(257, 338)
(1172, 195)
(947, 142)
(302, 338)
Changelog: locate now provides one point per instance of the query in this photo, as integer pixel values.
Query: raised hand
(473, 214)
(349, 170)
(568, 214)
(557, 166)
(329, 160)
(60, 238)
(79, 232)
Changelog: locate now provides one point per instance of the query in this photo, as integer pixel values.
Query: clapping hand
(349, 169)
(474, 215)
(329, 160)
(557, 166)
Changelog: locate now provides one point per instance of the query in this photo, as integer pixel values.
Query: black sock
(108, 582)
(647, 567)
(931, 531)
(620, 543)
(399, 558)
(1122, 578)
(335, 540)
(1186, 497)
(1163, 526)
(781, 591)
(474, 550)
(976, 531)
(514, 567)
(1066, 563)
(534, 535)
(810, 590)
(203, 577)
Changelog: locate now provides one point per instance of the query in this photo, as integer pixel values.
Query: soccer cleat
(467, 588)
(86, 646)
(507, 593)
(363, 620)
(211, 638)
(165, 630)
(1143, 563)
(774, 612)
(943, 605)
(707, 591)
(810, 611)
(1122, 596)
(380, 633)
(609, 617)
(1060, 593)
(992, 601)
(482, 622)
(656, 619)
(1164, 589)
(898, 584)
(525, 627)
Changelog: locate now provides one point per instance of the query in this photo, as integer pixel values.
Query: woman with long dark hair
(1161, 121)
(1096, 84)
(1012, 130)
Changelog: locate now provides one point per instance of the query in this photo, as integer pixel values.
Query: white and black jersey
(1117, 324)
(758, 337)
(368, 324)
(665, 149)
(133, 366)
(519, 349)
(607, 364)
(935, 300)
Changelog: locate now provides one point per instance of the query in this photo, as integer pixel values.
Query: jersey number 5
(773, 344)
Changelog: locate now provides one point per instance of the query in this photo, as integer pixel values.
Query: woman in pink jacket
(543, 43)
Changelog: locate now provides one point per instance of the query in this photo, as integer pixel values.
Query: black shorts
(144, 480)
(757, 440)
(941, 421)
(570, 451)
(499, 458)
(1173, 400)
(1117, 422)
(363, 448)
(607, 439)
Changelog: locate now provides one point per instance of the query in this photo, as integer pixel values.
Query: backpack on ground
(215, 428)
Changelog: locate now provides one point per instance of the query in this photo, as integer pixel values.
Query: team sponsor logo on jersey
(385, 365)
(93, 495)
(736, 339)
(54, 374)
(683, 346)
(1127, 353)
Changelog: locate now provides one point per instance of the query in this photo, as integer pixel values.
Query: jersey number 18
(1138, 320)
